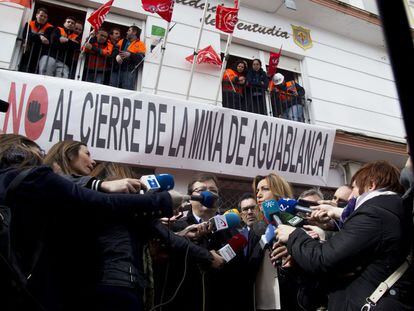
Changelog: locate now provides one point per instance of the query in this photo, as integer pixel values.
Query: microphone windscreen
(238, 242)
(4, 106)
(287, 205)
(270, 208)
(233, 210)
(208, 199)
(232, 219)
(166, 181)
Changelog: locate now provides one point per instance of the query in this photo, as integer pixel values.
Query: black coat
(372, 244)
(229, 288)
(52, 209)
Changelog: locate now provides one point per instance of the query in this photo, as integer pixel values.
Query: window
(253, 91)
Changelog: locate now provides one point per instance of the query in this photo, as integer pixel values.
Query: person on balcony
(287, 98)
(276, 80)
(233, 86)
(257, 83)
(98, 50)
(61, 57)
(38, 40)
(115, 35)
(78, 28)
(129, 53)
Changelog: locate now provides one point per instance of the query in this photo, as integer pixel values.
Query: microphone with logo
(206, 198)
(235, 245)
(271, 213)
(223, 222)
(158, 183)
(292, 206)
(4, 106)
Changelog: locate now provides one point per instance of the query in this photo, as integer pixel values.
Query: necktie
(348, 210)
(245, 233)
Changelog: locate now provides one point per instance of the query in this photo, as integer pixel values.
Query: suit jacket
(373, 243)
(218, 284)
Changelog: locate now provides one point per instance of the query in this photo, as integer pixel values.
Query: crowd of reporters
(87, 236)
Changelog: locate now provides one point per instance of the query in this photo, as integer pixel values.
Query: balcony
(105, 70)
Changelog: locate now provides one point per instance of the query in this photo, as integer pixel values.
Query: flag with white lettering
(163, 8)
(226, 18)
(207, 56)
(98, 17)
(274, 59)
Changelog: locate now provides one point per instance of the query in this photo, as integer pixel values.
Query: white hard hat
(278, 78)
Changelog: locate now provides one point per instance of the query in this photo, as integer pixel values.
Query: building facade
(333, 49)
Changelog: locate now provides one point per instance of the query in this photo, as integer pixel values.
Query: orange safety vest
(135, 47)
(99, 61)
(42, 29)
(285, 93)
(72, 36)
(230, 75)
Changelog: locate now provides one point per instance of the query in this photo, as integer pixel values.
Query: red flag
(206, 55)
(273, 62)
(97, 17)
(25, 3)
(163, 8)
(226, 18)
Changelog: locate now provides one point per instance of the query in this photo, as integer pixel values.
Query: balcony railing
(273, 103)
(100, 69)
(90, 67)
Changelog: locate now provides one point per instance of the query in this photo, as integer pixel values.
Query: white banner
(141, 129)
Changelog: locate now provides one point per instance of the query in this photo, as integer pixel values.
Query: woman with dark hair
(372, 244)
(46, 210)
(73, 160)
(234, 81)
(256, 85)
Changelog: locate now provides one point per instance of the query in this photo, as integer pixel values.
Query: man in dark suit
(201, 286)
(253, 253)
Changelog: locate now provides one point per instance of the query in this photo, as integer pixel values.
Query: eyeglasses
(247, 208)
(202, 189)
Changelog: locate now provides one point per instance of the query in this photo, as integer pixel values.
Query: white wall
(350, 82)
(10, 19)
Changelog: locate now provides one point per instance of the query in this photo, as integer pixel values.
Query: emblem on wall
(301, 36)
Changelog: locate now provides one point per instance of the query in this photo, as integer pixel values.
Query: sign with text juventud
(142, 129)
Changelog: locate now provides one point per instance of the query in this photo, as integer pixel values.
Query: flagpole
(162, 57)
(223, 65)
(226, 56)
(28, 26)
(197, 48)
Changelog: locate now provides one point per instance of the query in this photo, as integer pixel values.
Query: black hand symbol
(33, 114)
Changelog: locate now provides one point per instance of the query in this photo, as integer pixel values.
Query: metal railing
(85, 66)
(92, 67)
(274, 103)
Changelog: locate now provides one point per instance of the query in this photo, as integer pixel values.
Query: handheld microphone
(226, 221)
(233, 210)
(206, 198)
(234, 246)
(268, 237)
(291, 220)
(4, 106)
(271, 212)
(161, 182)
(292, 206)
